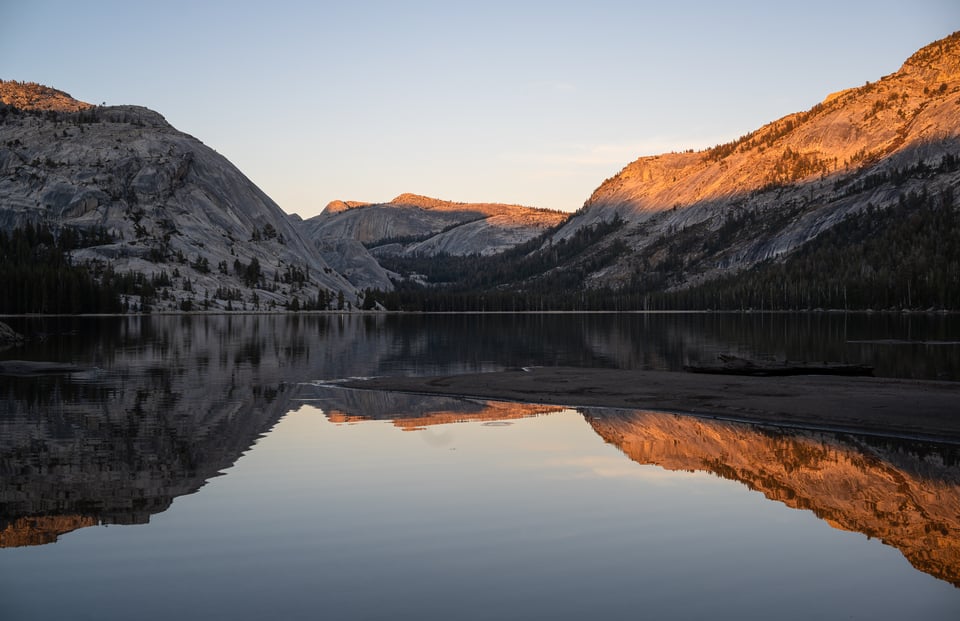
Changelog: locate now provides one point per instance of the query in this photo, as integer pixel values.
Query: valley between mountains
(848, 205)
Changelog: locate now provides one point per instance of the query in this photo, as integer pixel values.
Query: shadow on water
(177, 400)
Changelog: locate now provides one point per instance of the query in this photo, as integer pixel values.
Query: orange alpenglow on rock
(35, 531)
(33, 96)
(881, 496)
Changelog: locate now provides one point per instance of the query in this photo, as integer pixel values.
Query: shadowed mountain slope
(158, 200)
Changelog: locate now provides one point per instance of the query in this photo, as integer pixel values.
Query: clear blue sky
(527, 102)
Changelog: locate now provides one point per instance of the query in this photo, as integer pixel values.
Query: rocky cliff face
(909, 500)
(412, 224)
(793, 178)
(167, 202)
(352, 259)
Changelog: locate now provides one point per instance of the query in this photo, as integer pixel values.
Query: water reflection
(329, 346)
(906, 494)
(68, 464)
(415, 412)
(171, 402)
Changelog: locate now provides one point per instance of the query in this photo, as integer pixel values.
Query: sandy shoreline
(904, 408)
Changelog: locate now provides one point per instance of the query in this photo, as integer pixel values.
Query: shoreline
(924, 410)
(357, 311)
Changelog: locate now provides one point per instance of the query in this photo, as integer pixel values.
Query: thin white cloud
(553, 86)
(602, 154)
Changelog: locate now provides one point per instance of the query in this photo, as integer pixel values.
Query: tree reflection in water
(172, 402)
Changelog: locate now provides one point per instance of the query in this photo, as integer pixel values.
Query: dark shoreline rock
(9, 337)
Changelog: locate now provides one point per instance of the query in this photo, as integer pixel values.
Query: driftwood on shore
(734, 365)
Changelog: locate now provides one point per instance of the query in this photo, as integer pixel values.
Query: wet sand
(926, 410)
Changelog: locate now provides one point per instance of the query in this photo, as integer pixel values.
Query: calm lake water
(209, 467)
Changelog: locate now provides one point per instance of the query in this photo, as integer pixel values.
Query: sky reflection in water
(347, 504)
(337, 514)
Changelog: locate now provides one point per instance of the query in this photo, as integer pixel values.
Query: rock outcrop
(167, 202)
(33, 96)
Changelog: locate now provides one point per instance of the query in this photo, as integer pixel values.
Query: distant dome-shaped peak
(417, 200)
(337, 206)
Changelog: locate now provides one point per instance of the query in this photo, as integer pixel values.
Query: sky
(534, 103)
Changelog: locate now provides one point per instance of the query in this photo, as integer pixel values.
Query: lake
(210, 467)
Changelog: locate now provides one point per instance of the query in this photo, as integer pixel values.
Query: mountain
(697, 215)
(418, 225)
(850, 204)
(138, 198)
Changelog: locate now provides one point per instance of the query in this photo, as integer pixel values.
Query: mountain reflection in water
(176, 401)
(904, 493)
(417, 412)
(119, 460)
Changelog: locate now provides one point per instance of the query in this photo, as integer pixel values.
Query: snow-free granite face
(413, 224)
(168, 203)
(794, 177)
(350, 258)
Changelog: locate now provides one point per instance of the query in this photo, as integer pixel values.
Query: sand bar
(904, 408)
